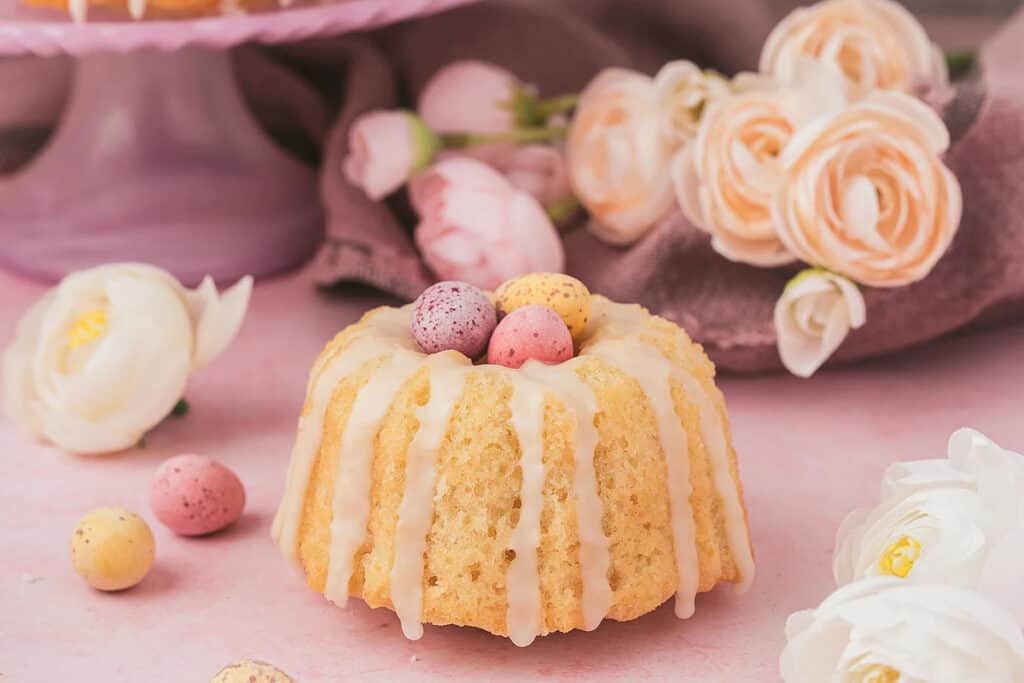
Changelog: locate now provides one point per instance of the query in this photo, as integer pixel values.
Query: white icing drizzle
(712, 433)
(415, 513)
(619, 320)
(232, 8)
(307, 444)
(594, 553)
(523, 618)
(137, 9)
(351, 504)
(79, 10)
(328, 371)
(646, 364)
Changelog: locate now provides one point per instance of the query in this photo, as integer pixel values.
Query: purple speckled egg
(193, 495)
(532, 332)
(453, 316)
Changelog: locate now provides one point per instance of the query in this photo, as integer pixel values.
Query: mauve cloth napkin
(307, 94)
(673, 271)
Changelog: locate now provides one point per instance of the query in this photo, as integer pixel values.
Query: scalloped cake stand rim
(52, 38)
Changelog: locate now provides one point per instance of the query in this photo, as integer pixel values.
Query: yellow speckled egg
(112, 549)
(565, 295)
(250, 671)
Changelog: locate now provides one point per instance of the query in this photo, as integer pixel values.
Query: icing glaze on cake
(137, 10)
(372, 383)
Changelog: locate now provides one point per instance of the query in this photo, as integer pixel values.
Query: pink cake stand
(157, 158)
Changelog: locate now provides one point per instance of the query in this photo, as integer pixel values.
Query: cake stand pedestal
(157, 157)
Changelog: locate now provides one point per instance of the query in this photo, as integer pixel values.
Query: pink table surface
(811, 451)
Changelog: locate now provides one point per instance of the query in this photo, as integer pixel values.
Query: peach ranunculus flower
(866, 194)
(877, 44)
(684, 92)
(618, 161)
(725, 179)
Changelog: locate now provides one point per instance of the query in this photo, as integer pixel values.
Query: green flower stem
(563, 209)
(557, 105)
(804, 274)
(960, 62)
(180, 408)
(519, 136)
(425, 141)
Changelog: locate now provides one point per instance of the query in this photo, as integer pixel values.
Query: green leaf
(180, 408)
(960, 62)
(563, 104)
(563, 209)
(518, 136)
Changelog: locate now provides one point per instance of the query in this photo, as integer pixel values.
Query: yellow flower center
(898, 559)
(880, 674)
(88, 327)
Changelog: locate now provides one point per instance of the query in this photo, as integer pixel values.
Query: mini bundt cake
(520, 501)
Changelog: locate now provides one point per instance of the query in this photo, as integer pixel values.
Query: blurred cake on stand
(157, 157)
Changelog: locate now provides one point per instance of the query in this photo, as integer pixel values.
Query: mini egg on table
(113, 549)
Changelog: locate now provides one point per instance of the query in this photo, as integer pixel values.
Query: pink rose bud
(385, 148)
(538, 170)
(475, 226)
(475, 97)
(470, 96)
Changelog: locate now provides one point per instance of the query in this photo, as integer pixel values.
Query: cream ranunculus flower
(726, 178)
(105, 355)
(882, 630)
(812, 318)
(865, 192)
(618, 162)
(684, 91)
(877, 44)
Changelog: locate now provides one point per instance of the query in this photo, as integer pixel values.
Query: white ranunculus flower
(974, 462)
(813, 316)
(936, 535)
(882, 630)
(958, 520)
(105, 355)
(683, 90)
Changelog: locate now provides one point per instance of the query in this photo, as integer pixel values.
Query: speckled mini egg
(530, 333)
(565, 295)
(112, 549)
(193, 495)
(250, 671)
(453, 316)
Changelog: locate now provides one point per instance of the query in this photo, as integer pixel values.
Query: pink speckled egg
(453, 316)
(531, 332)
(193, 495)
